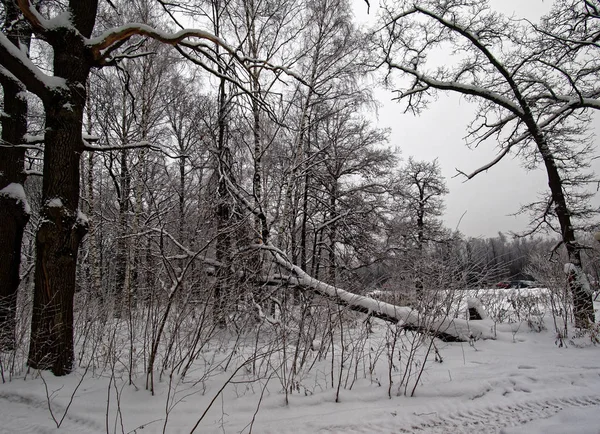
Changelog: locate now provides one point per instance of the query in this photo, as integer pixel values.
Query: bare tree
(416, 224)
(421, 188)
(491, 65)
(351, 177)
(329, 53)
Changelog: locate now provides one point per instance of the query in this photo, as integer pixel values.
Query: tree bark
(57, 243)
(583, 302)
(14, 213)
(63, 226)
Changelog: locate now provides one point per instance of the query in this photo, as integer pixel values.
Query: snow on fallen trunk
(447, 329)
(476, 309)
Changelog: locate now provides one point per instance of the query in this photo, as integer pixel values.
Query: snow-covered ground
(522, 382)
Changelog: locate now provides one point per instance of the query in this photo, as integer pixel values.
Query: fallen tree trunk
(446, 329)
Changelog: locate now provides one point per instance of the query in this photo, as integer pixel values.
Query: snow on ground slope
(520, 383)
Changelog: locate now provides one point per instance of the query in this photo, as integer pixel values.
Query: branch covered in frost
(38, 22)
(99, 148)
(447, 329)
(455, 86)
(112, 39)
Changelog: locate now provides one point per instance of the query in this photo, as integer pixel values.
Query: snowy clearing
(522, 382)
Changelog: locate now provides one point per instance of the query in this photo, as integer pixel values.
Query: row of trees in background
(191, 162)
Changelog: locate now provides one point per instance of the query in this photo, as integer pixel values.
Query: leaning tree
(498, 64)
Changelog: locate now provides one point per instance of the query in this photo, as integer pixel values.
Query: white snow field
(521, 382)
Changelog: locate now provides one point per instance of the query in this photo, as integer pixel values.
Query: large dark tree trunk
(62, 228)
(57, 241)
(13, 209)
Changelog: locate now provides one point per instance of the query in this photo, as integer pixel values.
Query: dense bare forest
(175, 172)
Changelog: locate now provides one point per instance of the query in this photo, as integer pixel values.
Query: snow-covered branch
(37, 21)
(34, 147)
(103, 45)
(576, 102)
(7, 78)
(96, 148)
(475, 41)
(465, 89)
(110, 40)
(19, 65)
(448, 329)
(505, 151)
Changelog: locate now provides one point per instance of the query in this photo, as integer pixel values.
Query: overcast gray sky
(487, 200)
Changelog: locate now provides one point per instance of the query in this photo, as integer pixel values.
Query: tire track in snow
(494, 419)
(18, 416)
